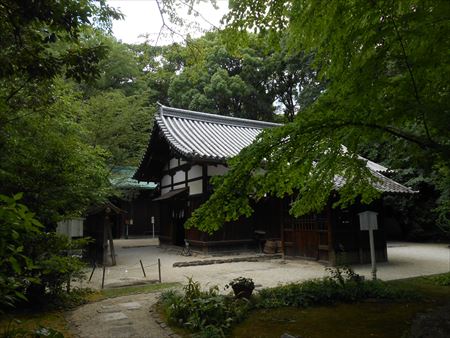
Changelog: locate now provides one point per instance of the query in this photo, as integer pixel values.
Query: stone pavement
(121, 317)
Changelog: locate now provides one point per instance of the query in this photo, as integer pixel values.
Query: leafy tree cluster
(34, 265)
(117, 109)
(69, 107)
(249, 80)
(387, 80)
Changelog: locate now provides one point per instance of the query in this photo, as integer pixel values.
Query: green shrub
(36, 268)
(206, 312)
(442, 280)
(342, 286)
(41, 332)
(17, 227)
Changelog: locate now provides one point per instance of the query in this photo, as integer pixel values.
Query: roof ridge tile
(215, 118)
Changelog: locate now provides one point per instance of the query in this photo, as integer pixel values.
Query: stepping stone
(131, 305)
(122, 331)
(114, 316)
(108, 309)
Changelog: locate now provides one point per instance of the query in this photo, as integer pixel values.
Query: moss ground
(365, 319)
(56, 319)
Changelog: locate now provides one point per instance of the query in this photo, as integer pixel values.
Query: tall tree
(119, 124)
(43, 152)
(45, 156)
(217, 80)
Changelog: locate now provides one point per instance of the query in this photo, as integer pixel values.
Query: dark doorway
(180, 234)
(178, 218)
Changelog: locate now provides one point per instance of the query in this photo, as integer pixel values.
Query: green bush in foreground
(443, 280)
(18, 332)
(207, 312)
(342, 286)
(36, 267)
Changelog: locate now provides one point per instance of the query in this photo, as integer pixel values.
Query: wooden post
(105, 242)
(68, 283)
(159, 269)
(103, 277)
(372, 254)
(281, 220)
(142, 266)
(111, 243)
(93, 269)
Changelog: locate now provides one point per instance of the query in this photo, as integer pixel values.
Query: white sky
(142, 17)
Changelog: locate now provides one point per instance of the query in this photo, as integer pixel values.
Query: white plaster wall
(173, 163)
(217, 170)
(179, 186)
(166, 180)
(195, 187)
(195, 171)
(179, 176)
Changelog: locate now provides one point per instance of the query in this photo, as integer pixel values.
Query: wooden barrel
(270, 247)
(279, 247)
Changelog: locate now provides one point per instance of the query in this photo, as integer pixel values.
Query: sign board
(368, 220)
(153, 220)
(71, 227)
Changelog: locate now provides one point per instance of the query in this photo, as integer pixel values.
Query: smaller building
(135, 199)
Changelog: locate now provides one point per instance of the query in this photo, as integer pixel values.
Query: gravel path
(405, 260)
(127, 316)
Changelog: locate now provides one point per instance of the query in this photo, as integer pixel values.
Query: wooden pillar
(281, 220)
(331, 225)
(107, 237)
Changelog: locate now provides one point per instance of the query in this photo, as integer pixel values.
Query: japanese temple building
(187, 148)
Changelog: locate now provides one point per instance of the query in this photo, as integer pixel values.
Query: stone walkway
(127, 316)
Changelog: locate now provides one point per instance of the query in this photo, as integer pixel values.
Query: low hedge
(211, 314)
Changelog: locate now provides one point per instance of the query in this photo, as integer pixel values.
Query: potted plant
(242, 287)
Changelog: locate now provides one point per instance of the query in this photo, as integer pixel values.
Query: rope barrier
(121, 271)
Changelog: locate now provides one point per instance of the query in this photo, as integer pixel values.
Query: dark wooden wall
(350, 244)
(306, 236)
(140, 209)
(240, 233)
(333, 236)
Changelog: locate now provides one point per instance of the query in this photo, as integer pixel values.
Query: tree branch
(425, 144)
(413, 80)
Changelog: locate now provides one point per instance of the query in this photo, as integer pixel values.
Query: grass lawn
(129, 290)
(365, 319)
(56, 320)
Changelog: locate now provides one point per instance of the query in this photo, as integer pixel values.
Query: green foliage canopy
(43, 152)
(47, 158)
(387, 67)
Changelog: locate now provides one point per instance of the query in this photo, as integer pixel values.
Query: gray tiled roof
(212, 137)
(381, 183)
(388, 185)
(207, 136)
